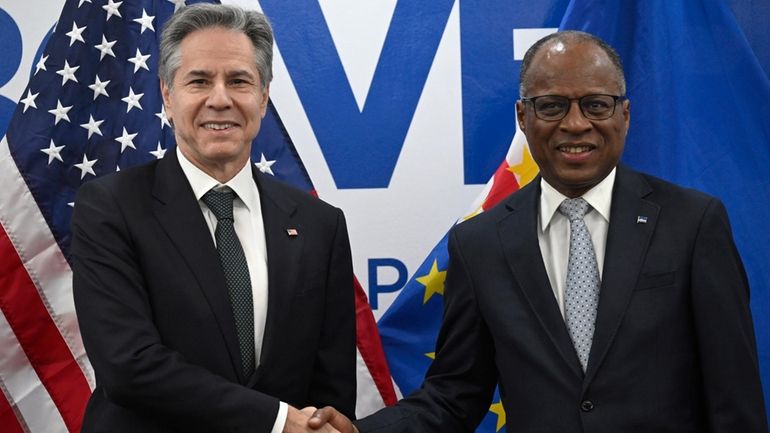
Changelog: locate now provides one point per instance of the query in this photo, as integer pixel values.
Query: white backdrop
(426, 193)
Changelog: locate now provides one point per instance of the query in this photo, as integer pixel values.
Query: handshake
(312, 420)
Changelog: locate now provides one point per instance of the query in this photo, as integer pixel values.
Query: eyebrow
(231, 74)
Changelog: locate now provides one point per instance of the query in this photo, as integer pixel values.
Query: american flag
(92, 107)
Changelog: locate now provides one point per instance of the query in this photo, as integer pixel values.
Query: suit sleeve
(134, 368)
(334, 378)
(459, 384)
(724, 329)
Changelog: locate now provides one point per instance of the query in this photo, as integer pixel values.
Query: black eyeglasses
(556, 107)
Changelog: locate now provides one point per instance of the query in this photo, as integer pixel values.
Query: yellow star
(431, 355)
(497, 409)
(433, 282)
(526, 170)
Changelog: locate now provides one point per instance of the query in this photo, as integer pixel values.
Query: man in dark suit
(601, 299)
(212, 298)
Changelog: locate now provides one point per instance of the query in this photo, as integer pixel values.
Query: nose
(218, 98)
(575, 122)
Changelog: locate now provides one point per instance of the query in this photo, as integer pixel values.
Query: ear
(165, 92)
(627, 113)
(263, 104)
(520, 115)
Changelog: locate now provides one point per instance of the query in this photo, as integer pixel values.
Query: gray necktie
(236, 271)
(583, 281)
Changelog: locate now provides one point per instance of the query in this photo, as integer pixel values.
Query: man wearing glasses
(602, 300)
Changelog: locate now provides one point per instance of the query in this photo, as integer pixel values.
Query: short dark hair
(570, 37)
(203, 16)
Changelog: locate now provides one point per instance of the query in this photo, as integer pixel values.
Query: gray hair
(567, 37)
(204, 15)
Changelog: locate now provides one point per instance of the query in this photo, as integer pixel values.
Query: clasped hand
(312, 420)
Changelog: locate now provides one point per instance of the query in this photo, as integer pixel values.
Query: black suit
(156, 319)
(673, 350)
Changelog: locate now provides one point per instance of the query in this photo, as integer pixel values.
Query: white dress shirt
(247, 216)
(553, 230)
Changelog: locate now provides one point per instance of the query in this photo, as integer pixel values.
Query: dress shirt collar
(242, 183)
(599, 197)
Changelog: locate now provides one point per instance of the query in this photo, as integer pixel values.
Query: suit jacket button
(587, 406)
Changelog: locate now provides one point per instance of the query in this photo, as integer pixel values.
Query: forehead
(572, 69)
(217, 47)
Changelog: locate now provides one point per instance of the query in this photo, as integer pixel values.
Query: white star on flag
(145, 21)
(162, 116)
(112, 9)
(83, 1)
(29, 101)
(178, 4)
(92, 126)
(132, 99)
(41, 65)
(264, 165)
(86, 167)
(159, 152)
(53, 151)
(60, 112)
(68, 73)
(139, 60)
(126, 140)
(105, 47)
(76, 34)
(99, 87)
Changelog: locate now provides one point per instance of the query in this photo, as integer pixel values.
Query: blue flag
(700, 116)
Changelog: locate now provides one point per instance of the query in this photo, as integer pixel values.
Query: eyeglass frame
(616, 98)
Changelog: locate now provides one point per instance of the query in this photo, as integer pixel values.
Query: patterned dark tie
(583, 281)
(236, 271)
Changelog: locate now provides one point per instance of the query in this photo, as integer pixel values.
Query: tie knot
(574, 208)
(220, 203)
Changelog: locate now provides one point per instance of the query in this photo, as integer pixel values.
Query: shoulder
(519, 209)
(666, 194)
(131, 182)
(679, 206)
(287, 196)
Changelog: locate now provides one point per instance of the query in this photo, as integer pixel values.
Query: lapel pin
(292, 232)
(641, 219)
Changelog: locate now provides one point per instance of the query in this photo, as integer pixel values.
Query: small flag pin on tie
(641, 219)
(292, 232)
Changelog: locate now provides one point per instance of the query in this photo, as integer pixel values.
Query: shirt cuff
(280, 419)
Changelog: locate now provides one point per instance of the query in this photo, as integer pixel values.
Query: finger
(308, 411)
(321, 417)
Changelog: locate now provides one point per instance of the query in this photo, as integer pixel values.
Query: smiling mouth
(575, 149)
(218, 126)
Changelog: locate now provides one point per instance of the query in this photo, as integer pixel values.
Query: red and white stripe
(503, 182)
(44, 373)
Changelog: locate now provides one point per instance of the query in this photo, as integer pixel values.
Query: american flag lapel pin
(641, 219)
(292, 232)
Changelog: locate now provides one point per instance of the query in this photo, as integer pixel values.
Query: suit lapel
(180, 216)
(518, 235)
(283, 259)
(627, 243)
